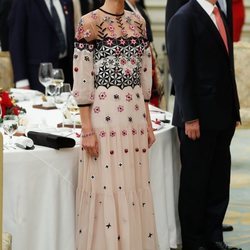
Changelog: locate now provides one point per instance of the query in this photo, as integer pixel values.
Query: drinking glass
(62, 98)
(73, 109)
(58, 79)
(45, 75)
(1, 112)
(10, 125)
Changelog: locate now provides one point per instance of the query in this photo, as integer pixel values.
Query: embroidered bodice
(110, 51)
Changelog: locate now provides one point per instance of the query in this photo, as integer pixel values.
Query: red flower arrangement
(8, 105)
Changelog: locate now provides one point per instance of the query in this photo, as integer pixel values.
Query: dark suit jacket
(202, 70)
(5, 6)
(33, 38)
(173, 6)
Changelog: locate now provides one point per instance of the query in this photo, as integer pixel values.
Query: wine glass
(73, 109)
(58, 78)
(45, 75)
(10, 125)
(1, 113)
(62, 98)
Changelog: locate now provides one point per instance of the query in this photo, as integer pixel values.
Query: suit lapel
(203, 17)
(46, 12)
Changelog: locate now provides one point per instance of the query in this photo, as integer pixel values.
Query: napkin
(6, 241)
(24, 142)
(51, 140)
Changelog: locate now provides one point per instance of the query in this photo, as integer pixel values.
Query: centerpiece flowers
(8, 105)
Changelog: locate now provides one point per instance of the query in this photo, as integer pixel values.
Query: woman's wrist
(85, 134)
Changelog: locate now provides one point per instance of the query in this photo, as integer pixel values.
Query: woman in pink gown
(112, 85)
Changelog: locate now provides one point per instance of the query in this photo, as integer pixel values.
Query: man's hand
(192, 129)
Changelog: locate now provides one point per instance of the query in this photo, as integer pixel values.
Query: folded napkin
(24, 142)
(7, 240)
(51, 140)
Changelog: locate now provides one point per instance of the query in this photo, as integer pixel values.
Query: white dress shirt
(61, 16)
(208, 7)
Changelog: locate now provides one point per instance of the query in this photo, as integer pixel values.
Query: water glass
(45, 75)
(10, 126)
(73, 109)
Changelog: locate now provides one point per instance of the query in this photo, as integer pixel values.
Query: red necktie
(220, 26)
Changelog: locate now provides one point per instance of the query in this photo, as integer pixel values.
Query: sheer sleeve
(146, 71)
(83, 63)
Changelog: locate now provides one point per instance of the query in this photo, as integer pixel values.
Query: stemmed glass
(1, 112)
(10, 125)
(45, 75)
(73, 109)
(62, 98)
(57, 81)
(58, 78)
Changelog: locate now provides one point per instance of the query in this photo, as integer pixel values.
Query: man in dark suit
(206, 112)
(226, 6)
(38, 35)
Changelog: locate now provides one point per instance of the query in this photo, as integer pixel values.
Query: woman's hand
(90, 144)
(151, 136)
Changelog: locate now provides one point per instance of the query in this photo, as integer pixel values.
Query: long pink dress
(112, 74)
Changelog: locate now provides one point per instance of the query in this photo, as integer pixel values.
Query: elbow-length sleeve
(146, 71)
(83, 63)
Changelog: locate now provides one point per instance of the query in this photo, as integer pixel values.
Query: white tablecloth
(40, 185)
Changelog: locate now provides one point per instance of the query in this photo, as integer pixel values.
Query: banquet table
(40, 187)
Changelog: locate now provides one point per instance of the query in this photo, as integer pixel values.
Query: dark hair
(141, 2)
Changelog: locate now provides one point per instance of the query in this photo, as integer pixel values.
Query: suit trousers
(204, 185)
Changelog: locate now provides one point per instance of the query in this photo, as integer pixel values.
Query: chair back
(6, 71)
